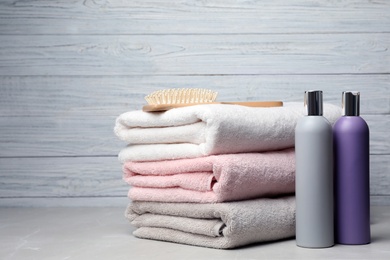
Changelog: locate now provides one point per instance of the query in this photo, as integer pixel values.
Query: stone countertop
(104, 233)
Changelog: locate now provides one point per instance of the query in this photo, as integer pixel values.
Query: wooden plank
(380, 175)
(58, 136)
(183, 17)
(62, 177)
(194, 54)
(380, 200)
(379, 133)
(102, 177)
(111, 96)
(67, 202)
(74, 136)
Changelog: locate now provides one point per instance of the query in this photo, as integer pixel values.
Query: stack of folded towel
(218, 176)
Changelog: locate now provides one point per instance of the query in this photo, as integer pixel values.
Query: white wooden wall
(69, 67)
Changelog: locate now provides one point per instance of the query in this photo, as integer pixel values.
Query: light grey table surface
(104, 233)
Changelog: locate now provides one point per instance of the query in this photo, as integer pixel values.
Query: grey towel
(218, 225)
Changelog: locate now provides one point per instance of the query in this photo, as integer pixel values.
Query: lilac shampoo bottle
(352, 174)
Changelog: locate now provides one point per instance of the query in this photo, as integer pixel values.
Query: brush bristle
(181, 96)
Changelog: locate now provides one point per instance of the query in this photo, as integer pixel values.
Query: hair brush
(166, 99)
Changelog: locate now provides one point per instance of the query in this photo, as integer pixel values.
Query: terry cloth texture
(203, 130)
(215, 178)
(218, 225)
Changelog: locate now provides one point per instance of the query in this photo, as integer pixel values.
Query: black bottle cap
(350, 103)
(313, 103)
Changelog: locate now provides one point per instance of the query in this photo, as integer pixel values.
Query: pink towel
(218, 178)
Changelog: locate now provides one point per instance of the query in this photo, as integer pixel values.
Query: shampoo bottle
(352, 167)
(314, 176)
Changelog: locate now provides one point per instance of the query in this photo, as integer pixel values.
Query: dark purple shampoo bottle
(352, 174)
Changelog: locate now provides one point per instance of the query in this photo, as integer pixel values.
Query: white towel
(203, 130)
(217, 225)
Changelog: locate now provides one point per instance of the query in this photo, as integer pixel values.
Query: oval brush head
(181, 96)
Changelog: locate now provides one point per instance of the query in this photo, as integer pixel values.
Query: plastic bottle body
(314, 183)
(352, 181)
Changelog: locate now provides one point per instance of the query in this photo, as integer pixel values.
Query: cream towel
(215, 178)
(203, 130)
(220, 225)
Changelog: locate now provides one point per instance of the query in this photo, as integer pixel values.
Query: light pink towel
(218, 178)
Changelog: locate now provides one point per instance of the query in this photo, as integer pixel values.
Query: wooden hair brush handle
(165, 107)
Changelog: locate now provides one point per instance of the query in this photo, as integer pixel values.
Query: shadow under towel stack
(218, 176)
